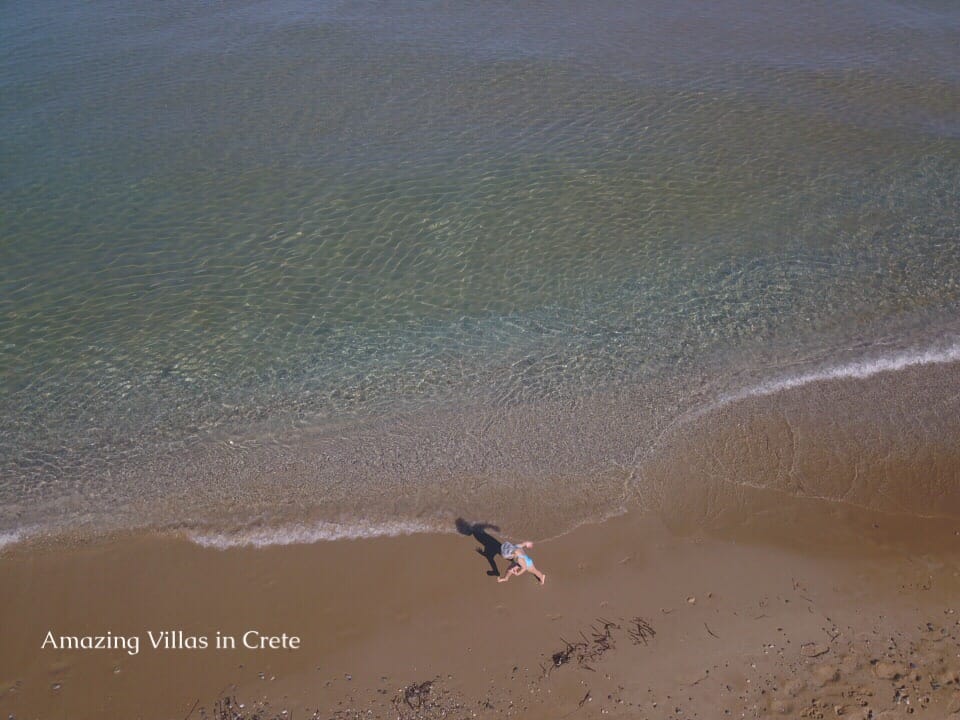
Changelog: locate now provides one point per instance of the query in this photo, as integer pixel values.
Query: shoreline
(779, 558)
(379, 615)
(883, 396)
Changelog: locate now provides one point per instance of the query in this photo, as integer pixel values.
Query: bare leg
(515, 570)
(539, 575)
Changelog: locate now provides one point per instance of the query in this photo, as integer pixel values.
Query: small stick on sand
(192, 709)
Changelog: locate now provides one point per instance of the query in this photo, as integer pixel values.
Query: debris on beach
(596, 641)
(230, 708)
(426, 700)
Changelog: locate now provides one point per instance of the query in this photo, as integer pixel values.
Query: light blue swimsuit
(512, 552)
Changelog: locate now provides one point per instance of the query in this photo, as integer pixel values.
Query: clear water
(295, 262)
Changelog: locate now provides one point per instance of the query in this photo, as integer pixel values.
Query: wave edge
(307, 533)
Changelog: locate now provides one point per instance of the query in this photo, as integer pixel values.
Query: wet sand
(857, 615)
(799, 557)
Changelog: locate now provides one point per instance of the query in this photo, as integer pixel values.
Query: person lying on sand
(520, 561)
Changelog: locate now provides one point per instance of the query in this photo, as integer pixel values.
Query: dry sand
(809, 610)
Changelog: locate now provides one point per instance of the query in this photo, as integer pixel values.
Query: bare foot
(503, 579)
(543, 580)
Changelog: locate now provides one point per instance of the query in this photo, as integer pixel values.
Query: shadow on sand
(489, 545)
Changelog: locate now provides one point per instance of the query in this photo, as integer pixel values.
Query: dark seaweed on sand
(414, 696)
(427, 700)
(597, 640)
(229, 708)
(641, 631)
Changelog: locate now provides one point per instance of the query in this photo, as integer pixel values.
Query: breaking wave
(859, 370)
(307, 533)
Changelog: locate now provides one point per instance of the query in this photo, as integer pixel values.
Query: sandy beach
(794, 554)
(306, 307)
(856, 617)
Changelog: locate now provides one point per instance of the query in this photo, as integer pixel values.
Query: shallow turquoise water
(252, 253)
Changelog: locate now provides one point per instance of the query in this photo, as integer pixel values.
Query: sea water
(276, 271)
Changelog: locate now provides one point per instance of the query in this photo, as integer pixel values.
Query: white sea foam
(304, 533)
(946, 352)
(854, 370)
(9, 538)
(12, 537)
